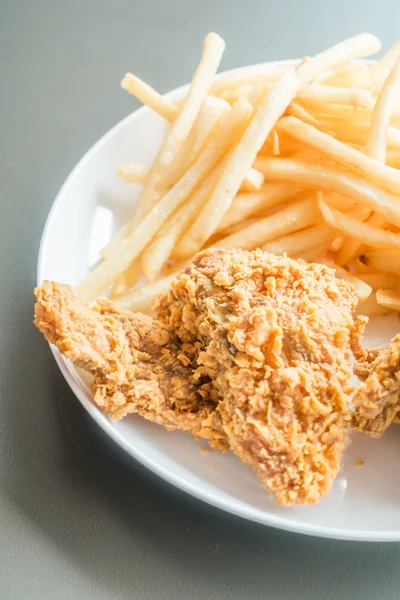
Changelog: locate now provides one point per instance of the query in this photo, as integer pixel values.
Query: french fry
(246, 205)
(147, 95)
(376, 142)
(357, 229)
(161, 247)
(128, 279)
(331, 179)
(253, 181)
(353, 48)
(133, 173)
(379, 259)
(210, 114)
(361, 289)
(357, 133)
(241, 159)
(300, 241)
(182, 124)
(336, 95)
(354, 74)
(388, 298)
(380, 280)
(371, 308)
(371, 168)
(123, 254)
(238, 80)
(141, 299)
(381, 69)
(298, 111)
(298, 216)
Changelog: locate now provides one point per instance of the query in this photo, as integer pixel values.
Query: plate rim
(252, 514)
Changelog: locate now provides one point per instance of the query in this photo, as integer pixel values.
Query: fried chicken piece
(138, 366)
(275, 336)
(377, 400)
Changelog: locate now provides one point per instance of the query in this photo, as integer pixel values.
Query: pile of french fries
(300, 160)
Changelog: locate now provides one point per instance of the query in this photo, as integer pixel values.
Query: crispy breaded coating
(377, 400)
(138, 366)
(275, 338)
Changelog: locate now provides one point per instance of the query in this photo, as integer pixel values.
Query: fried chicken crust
(275, 337)
(377, 400)
(138, 366)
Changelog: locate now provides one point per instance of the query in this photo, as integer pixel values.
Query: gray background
(78, 518)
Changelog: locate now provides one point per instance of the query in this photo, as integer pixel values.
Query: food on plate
(269, 218)
(247, 349)
(377, 399)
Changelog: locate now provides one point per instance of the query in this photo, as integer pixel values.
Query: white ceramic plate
(364, 503)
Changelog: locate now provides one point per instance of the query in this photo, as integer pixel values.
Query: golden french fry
(133, 173)
(381, 69)
(127, 280)
(161, 247)
(361, 289)
(354, 74)
(376, 142)
(241, 159)
(336, 95)
(253, 181)
(380, 280)
(246, 205)
(211, 56)
(141, 299)
(349, 157)
(379, 259)
(238, 80)
(297, 216)
(298, 111)
(122, 254)
(210, 115)
(371, 308)
(147, 95)
(357, 229)
(388, 298)
(353, 48)
(300, 241)
(331, 179)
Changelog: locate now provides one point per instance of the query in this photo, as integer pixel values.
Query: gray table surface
(79, 519)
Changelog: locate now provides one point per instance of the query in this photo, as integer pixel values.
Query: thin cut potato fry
(379, 259)
(360, 267)
(345, 155)
(183, 123)
(393, 159)
(313, 254)
(229, 130)
(132, 173)
(246, 205)
(147, 95)
(388, 298)
(353, 48)
(376, 142)
(336, 95)
(298, 111)
(141, 299)
(124, 253)
(357, 229)
(253, 181)
(161, 247)
(381, 69)
(354, 74)
(340, 202)
(238, 80)
(357, 133)
(331, 179)
(300, 241)
(298, 216)
(241, 159)
(210, 114)
(380, 280)
(362, 289)
(371, 308)
(128, 279)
